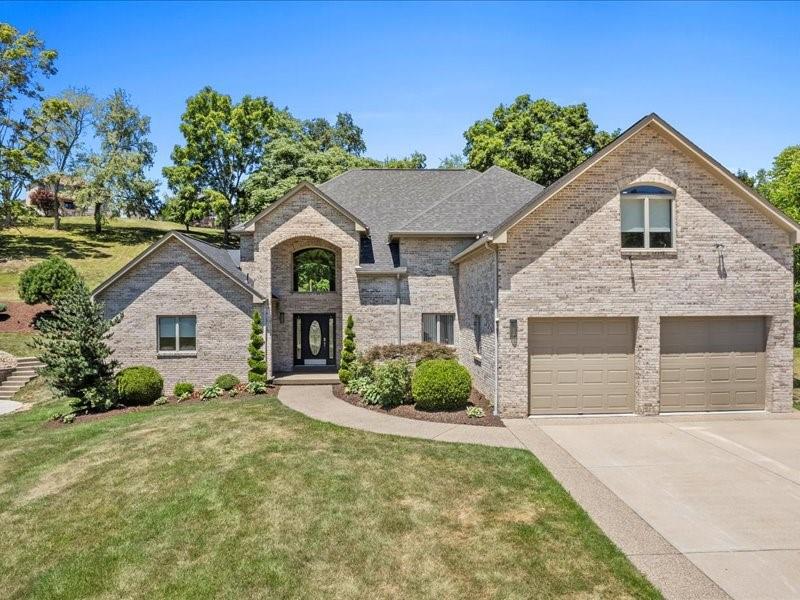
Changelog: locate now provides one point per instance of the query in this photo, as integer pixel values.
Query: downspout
(496, 410)
(399, 314)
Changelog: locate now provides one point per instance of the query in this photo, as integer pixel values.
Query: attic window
(646, 219)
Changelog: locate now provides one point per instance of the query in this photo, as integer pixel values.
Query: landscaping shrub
(139, 385)
(441, 385)
(257, 387)
(211, 391)
(3, 307)
(390, 384)
(475, 412)
(415, 353)
(226, 382)
(256, 362)
(183, 387)
(348, 352)
(73, 346)
(47, 281)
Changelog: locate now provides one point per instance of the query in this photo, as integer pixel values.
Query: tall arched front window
(646, 217)
(314, 270)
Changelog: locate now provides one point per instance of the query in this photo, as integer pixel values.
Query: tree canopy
(537, 139)
(24, 61)
(114, 178)
(224, 144)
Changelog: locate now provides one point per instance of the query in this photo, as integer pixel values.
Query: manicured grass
(17, 344)
(245, 498)
(95, 255)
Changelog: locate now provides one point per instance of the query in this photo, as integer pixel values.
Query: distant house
(648, 279)
(40, 198)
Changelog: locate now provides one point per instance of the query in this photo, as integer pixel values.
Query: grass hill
(95, 256)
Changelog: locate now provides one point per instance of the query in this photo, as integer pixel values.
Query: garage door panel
(712, 363)
(588, 366)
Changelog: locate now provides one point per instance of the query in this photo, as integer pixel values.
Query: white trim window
(438, 328)
(647, 217)
(177, 333)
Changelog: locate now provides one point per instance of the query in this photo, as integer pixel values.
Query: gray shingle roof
(478, 206)
(386, 198)
(220, 257)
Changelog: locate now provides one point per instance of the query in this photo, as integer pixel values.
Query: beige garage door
(580, 366)
(712, 363)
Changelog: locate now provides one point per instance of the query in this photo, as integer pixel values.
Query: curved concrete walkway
(9, 406)
(318, 402)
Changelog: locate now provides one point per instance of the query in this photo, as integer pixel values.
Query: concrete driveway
(724, 490)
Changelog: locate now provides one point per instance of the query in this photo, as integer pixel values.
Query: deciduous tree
(537, 139)
(115, 179)
(224, 144)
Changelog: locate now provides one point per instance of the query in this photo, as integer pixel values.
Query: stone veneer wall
(176, 281)
(476, 296)
(565, 260)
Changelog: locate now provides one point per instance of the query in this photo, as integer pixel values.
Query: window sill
(477, 358)
(177, 354)
(649, 252)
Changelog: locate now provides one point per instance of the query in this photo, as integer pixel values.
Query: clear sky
(416, 75)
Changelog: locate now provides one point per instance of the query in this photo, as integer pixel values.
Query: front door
(315, 339)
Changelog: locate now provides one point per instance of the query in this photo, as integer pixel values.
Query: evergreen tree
(348, 351)
(257, 362)
(75, 352)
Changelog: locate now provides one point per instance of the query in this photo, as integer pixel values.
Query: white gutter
(496, 409)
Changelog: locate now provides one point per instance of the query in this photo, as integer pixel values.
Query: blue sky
(416, 75)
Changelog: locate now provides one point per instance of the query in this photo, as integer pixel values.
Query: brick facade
(565, 259)
(562, 260)
(174, 280)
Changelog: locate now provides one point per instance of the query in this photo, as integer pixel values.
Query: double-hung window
(177, 334)
(438, 328)
(646, 217)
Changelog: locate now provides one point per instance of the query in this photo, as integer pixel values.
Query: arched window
(646, 217)
(314, 270)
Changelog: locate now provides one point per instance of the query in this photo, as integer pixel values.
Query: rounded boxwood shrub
(47, 281)
(139, 385)
(226, 381)
(441, 385)
(183, 387)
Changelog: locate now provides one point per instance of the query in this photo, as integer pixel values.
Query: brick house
(648, 279)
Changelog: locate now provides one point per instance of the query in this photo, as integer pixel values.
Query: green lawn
(95, 255)
(248, 499)
(17, 344)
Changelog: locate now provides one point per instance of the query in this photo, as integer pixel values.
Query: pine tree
(257, 362)
(348, 351)
(75, 352)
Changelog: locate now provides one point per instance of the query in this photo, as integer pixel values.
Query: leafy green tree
(23, 62)
(47, 281)
(537, 139)
(348, 351)
(453, 161)
(287, 161)
(115, 180)
(73, 347)
(344, 134)
(185, 207)
(65, 121)
(417, 160)
(224, 144)
(257, 361)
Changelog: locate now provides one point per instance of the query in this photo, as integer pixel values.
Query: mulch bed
(20, 317)
(409, 411)
(272, 390)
